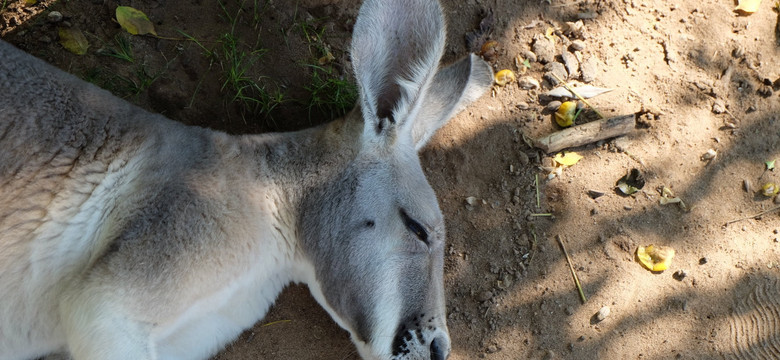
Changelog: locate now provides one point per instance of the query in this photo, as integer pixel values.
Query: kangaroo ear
(453, 87)
(396, 47)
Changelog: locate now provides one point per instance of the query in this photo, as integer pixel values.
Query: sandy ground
(698, 77)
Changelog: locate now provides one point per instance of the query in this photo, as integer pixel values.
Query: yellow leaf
(565, 114)
(568, 159)
(30, 2)
(550, 34)
(655, 257)
(134, 21)
(504, 77)
(73, 40)
(748, 6)
(770, 189)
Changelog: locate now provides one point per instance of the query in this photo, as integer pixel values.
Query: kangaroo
(125, 235)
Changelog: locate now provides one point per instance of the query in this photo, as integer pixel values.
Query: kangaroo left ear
(452, 89)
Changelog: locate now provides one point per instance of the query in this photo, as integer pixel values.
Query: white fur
(124, 235)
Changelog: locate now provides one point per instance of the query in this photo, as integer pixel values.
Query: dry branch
(586, 133)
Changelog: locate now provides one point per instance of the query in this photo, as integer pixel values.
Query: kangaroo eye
(414, 227)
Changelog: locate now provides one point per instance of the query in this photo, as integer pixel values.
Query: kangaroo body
(125, 235)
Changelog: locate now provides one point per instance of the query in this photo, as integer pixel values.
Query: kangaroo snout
(419, 335)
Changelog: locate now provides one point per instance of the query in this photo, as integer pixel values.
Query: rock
(569, 310)
(679, 275)
(719, 106)
(54, 17)
(571, 63)
(702, 261)
(471, 200)
(578, 45)
(588, 69)
(523, 105)
(485, 296)
(595, 194)
(528, 55)
(603, 313)
(544, 49)
(528, 83)
(524, 160)
(746, 185)
(553, 105)
(555, 68)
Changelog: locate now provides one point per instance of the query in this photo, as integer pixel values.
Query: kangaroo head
(375, 233)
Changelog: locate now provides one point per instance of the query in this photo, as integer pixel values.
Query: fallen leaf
(567, 159)
(770, 165)
(566, 113)
(667, 197)
(586, 91)
(748, 6)
(770, 189)
(550, 34)
(655, 257)
(134, 21)
(73, 40)
(631, 182)
(504, 77)
(326, 59)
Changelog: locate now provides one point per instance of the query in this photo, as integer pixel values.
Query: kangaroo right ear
(396, 47)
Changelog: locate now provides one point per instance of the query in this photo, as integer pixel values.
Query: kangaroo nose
(439, 349)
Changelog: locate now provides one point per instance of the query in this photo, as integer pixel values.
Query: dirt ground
(698, 76)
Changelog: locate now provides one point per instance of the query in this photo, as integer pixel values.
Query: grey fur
(125, 235)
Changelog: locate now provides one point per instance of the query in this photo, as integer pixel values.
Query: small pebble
(702, 261)
(523, 105)
(603, 313)
(709, 155)
(571, 63)
(485, 296)
(719, 106)
(556, 68)
(679, 275)
(746, 185)
(471, 200)
(588, 69)
(523, 158)
(595, 194)
(777, 200)
(553, 105)
(528, 55)
(45, 39)
(578, 45)
(569, 310)
(528, 83)
(54, 17)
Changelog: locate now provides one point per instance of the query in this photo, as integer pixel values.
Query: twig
(753, 216)
(276, 322)
(541, 215)
(536, 183)
(601, 116)
(571, 267)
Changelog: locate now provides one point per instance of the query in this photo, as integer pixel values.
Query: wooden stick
(571, 267)
(586, 133)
